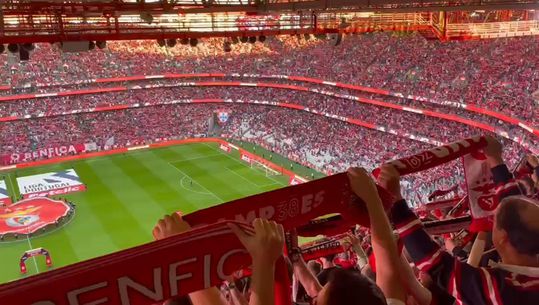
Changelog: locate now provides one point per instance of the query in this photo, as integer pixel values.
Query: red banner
(188, 262)
(292, 206)
(436, 156)
(224, 147)
(142, 275)
(44, 153)
(322, 249)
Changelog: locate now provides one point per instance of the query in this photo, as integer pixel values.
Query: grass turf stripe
(124, 229)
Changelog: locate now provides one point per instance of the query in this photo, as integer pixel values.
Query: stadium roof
(98, 20)
(195, 6)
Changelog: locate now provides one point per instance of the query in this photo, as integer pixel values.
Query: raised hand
(362, 184)
(266, 244)
(170, 225)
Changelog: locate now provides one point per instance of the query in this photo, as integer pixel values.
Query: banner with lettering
(437, 156)
(190, 261)
(49, 184)
(321, 249)
(44, 153)
(142, 275)
(225, 147)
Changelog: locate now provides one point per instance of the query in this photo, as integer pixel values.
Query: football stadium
(235, 152)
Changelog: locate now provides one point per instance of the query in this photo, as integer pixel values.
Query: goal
(261, 166)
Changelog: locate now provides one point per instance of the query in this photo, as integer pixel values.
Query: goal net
(261, 166)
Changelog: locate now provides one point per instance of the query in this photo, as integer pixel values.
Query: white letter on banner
(207, 269)
(73, 299)
(318, 199)
(156, 295)
(173, 275)
(266, 212)
(251, 215)
(221, 263)
(306, 203)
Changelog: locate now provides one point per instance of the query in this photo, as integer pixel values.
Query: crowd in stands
(392, 260)
(494, 74)
(499, 265)
(441, 130)
(49, 105)
(115, 129)
(444, 131)
(294, 134)
(395, 67)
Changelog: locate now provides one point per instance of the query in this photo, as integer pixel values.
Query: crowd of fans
(393, 260)
(294, 134)
(404, 63)
(50, 105)
(499, 75)
(443, 130)
(494, 74)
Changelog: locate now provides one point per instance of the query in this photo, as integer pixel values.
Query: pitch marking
(238, 161)
(208, 191)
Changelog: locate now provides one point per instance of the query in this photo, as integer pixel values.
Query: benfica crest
(30, 215)
(223, 116)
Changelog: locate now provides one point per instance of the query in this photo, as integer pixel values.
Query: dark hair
(523, 238)
(350, 287)
(526, 185)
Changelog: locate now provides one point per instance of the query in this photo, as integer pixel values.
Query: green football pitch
(127, 193)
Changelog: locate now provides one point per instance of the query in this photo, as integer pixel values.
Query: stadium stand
(332, 129)
(396, 66)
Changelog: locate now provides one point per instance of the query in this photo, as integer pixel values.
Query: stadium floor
(126, 195)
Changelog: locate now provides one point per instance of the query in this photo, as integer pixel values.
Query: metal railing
(493, 29)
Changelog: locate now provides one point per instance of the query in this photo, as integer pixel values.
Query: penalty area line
(202, 186)
(234, 172)
(182, 184)
(255, 184)
(255, 170)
